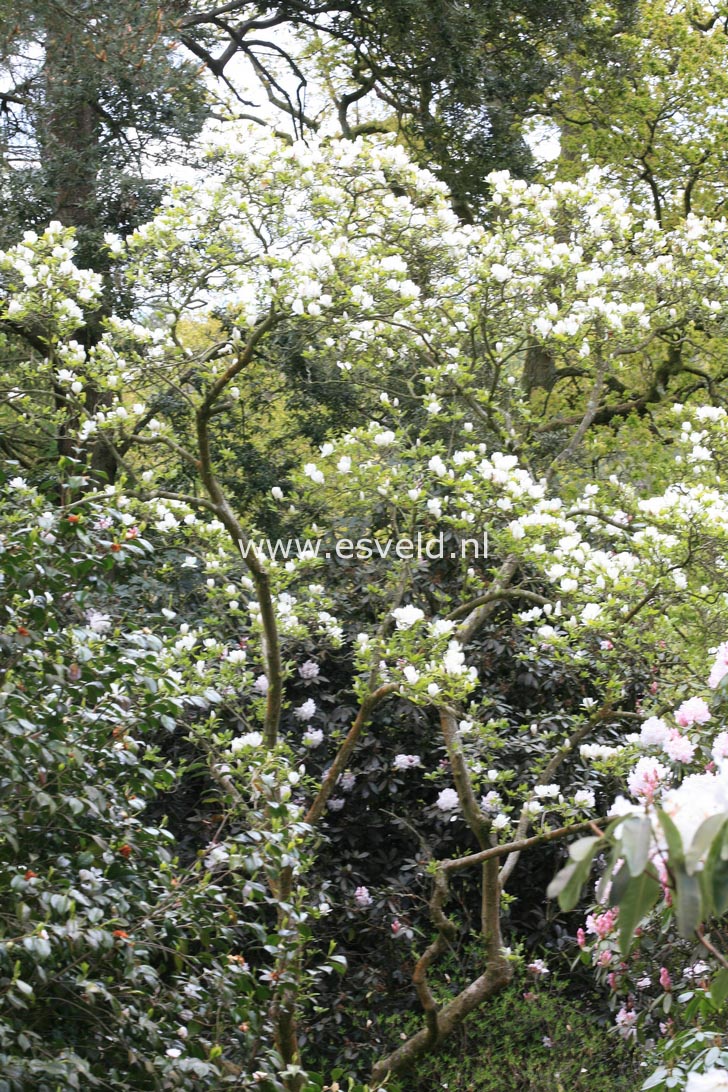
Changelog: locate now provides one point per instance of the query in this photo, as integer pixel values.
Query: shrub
(119, 965)
(531, 1037)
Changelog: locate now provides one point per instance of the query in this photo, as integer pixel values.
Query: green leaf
(672, 836)
(706, 834)
(636, 839)
(716, 885)
(639, 896)
(583, 848)
(568, 883)
(620, 881)
(719, 989)
(688, 902)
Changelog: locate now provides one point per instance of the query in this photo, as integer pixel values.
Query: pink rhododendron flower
(625, 1021)
(538, 967)
(448, 800)
(720, 746)
(580, 937)
(654, 732)
(720, 667)
(664, 877)
(406, 762)
(692, 711)
(602, 924)
(646, 776)
(679, 748)
(362, 897)
(665, 980)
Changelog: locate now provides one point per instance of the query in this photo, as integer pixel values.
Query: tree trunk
(69, 137)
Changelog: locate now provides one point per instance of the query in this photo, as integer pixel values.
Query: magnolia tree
(351, 251)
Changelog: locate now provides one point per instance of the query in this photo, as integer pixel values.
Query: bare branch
(343, 755)
(494, 596)
(458, 864)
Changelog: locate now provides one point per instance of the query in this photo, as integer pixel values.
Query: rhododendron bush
(663, 892)
(607, 573)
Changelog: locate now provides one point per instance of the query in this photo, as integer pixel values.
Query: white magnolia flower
(546, 791)
(249, 739)
(311, 471)
(406, 617)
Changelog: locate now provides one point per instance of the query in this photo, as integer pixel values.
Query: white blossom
(448, 800)
(408, 616)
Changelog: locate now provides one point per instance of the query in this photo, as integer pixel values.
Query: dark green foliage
(532, 1037)
(387, 828)
(90, 89)
(461, 78)
(120, 964)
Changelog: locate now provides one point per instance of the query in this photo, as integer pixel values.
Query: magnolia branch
(368, 705)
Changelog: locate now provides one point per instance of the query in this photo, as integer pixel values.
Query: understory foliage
(256, 792)
(535, 1034)
(127, 960)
